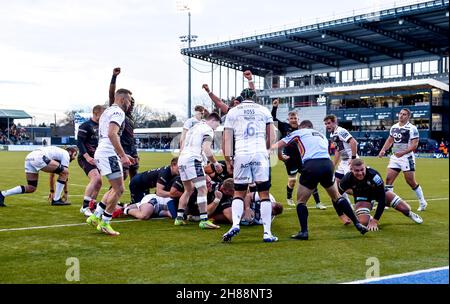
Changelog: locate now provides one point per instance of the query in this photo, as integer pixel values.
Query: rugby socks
(100, 209)
(338, 209)
(237, 208)
(419, 193)
(106, 217)
(344, 205)
(316, 196)
(180, 213)
(59, 189)
(289, 192)
(302, 214)
(201, 202)
(266, 215)
(86, 201)
(14, 191)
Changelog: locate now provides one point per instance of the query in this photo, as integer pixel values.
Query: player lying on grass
(150, 206)
(368, 186)
(48, 159)
(252, 208)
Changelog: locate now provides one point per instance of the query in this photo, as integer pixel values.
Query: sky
(58, 55)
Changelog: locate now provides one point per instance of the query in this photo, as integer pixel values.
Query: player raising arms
(127, 137)
(317, 168)
(405, 138)
(198, 139)
(110, 157)
(250, 126)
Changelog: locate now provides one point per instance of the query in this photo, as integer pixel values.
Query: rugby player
(290, 155)
(190, 122)
(249, 126)
(252, 209)
(220, 196)
(87, 142)
(198, 140)
(346, 151)
(127, 138)
(368, 186)
(404, 137)
(317, 168)
(110, 159)
(48, 159)
(160, 178)
(152, 205)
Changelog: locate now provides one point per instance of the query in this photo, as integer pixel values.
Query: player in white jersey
(110, 159)
(317, 168)
(152, 205)
(404, 137)
(190, 122)
(346, 150)
(48, 159)
(249, 126)
(199, 139)
(252, 209)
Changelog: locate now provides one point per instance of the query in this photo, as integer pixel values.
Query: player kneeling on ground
(220, 197)
(367, 186)
(48, 159)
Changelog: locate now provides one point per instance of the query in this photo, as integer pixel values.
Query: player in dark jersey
(220, 196)
(160, 178)
(367, 186)
(87, 142)
(127, 138)
(291, 156)
(217, 177)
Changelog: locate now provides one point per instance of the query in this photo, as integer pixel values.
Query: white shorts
(109, 166)
(404, 163)
(35, 161)
(342, 169)
(251, 168)
(190, 168)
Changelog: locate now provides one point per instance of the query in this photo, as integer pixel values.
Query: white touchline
(397, 275)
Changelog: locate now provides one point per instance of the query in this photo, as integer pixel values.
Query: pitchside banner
(79, 118)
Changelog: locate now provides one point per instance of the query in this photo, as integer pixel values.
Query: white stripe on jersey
(248, 121)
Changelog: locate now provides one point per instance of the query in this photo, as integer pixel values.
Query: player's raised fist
(275, 102)
(116, 71)
(248, 74)
(205, 87)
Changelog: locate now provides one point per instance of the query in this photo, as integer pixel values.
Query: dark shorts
(137, 189)
(87, 167)
(293, 165)
(317, 171)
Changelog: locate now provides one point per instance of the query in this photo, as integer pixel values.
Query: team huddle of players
(195, 186)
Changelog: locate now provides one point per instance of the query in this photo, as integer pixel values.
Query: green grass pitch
(156, 251)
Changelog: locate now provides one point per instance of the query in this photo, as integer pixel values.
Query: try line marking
(400, 275)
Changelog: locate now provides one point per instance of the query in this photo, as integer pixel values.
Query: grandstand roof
(402, 34)
(14, 114)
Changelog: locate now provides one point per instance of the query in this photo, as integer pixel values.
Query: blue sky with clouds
(57, 55)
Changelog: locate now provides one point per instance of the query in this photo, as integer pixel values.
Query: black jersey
(220, 177)
(285, 129)
(87, 138)
(127, 137)
(165, 177)
(149, 178)
(369, 189)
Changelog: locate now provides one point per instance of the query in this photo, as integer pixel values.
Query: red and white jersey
(113, 114)
(248, 121)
